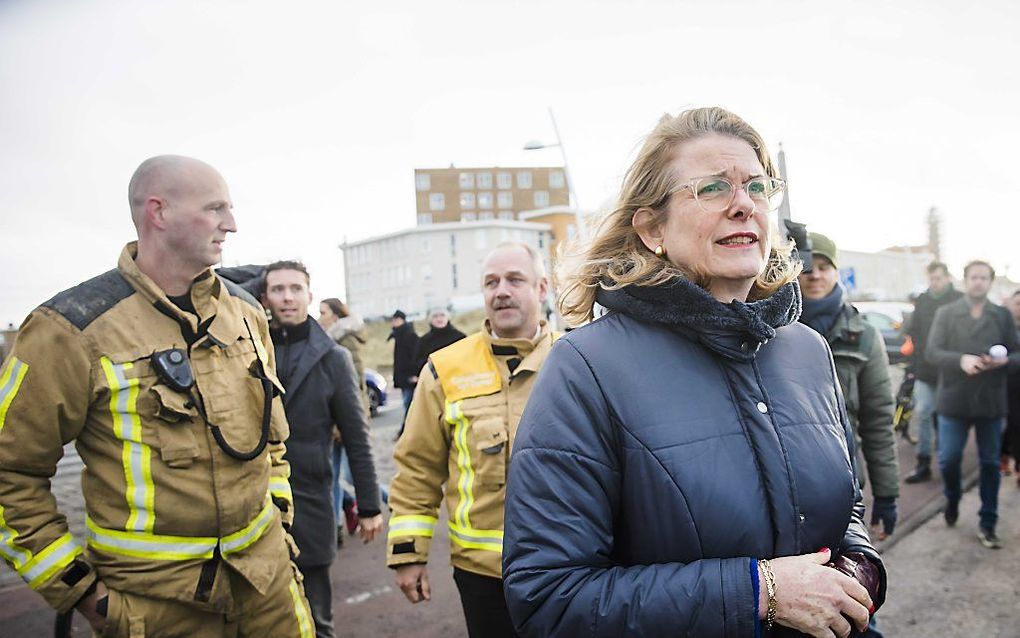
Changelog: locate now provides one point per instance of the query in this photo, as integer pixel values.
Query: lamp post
(534, 145)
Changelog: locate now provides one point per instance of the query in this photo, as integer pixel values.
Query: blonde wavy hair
(615, 256)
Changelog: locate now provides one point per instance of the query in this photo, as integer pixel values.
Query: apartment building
(483, 194)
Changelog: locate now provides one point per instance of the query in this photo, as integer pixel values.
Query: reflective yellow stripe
(411, 525)
(485, 539)
(301, 611)
(465, 483)
(55, 557)
(10, 382)
(162, 547)
(135, 456)
(14, 554)
(279, 486)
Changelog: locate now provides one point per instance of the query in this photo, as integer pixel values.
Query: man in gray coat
(321, 390)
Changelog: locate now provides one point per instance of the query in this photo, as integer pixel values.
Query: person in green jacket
(862, 367)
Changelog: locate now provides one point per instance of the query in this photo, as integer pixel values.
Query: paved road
(368, 603)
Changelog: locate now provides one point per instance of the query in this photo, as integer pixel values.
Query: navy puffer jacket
(664, 447)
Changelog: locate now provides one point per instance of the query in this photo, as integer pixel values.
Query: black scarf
(820, 314)
(690, 309)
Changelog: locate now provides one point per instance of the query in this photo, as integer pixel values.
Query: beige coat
(459, 433)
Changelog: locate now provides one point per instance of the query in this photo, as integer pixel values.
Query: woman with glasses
(682, 466)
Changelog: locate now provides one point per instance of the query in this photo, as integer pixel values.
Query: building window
(504, 181)
(424, 219)
(468, 217)
(425, 245)
(467, 180)
(481, 239)
(556, 179)
(453, 245)
(437, 201)
(484, 180)
(541, 240)
(506, 214)
(453, 273)
(506, 200)
(524, 179)
(467, 201)
(485, 215)
(422, 181)
(541, 199)
(484, 200)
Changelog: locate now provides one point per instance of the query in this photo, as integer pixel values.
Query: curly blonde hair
(615, 256)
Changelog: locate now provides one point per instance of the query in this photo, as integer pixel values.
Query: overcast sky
(317, 113)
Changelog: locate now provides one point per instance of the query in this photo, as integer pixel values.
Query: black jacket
(322, 389)
(405, 341)
(658, 456)
(433, 340)
(955, 333)
(919, 327)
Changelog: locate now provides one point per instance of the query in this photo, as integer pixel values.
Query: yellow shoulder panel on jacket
(467, 368)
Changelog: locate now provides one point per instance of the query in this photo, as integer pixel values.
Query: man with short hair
(441, 334)
(459, 433)
(322, 389)
(405, 342)
(163, 375)
(965, 344)
(940, 293)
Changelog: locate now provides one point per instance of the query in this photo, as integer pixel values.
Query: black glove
(884, 510)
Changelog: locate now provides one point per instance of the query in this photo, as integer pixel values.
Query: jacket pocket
(491, 440)
(176, 416)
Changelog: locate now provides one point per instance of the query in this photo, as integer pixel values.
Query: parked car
(376, 390)
(889, 317)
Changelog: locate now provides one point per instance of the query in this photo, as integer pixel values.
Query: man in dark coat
(321, 390)
(441, 334)
(405, 341)
(972, 341)
(940, 292)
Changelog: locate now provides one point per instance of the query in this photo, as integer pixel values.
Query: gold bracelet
(770, 589)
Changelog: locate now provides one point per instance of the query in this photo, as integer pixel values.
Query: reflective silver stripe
(411, 528)
(251, 533)
(56, 556)
(490, 540)
(136, 456)
(153, 546)
(15, 555)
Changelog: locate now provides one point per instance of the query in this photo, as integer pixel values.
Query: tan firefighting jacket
(162, 499)
(459, 432)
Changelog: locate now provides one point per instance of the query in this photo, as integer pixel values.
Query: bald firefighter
(459, 432)
(162, 373)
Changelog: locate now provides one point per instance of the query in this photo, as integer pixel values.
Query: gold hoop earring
(660, 251)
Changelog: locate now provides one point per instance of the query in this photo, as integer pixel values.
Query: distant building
(485, 194)
(431, 265)
(892, 274)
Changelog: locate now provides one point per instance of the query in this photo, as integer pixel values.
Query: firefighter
(163, 374)
(459, 432)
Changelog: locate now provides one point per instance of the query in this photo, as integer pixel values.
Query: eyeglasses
(715, 194)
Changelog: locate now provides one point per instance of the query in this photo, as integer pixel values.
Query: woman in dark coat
(682, 467)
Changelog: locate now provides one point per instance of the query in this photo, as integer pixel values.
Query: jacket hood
(345, 325)
(735, 330)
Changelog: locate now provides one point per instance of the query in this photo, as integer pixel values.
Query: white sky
(317, 113)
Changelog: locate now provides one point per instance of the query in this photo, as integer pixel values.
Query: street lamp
(535, 145)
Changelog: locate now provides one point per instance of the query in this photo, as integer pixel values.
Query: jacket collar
(735, 330)
(319, 344)
(210, 297)
(532, 351)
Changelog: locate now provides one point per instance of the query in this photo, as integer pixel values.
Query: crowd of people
(688, 458)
